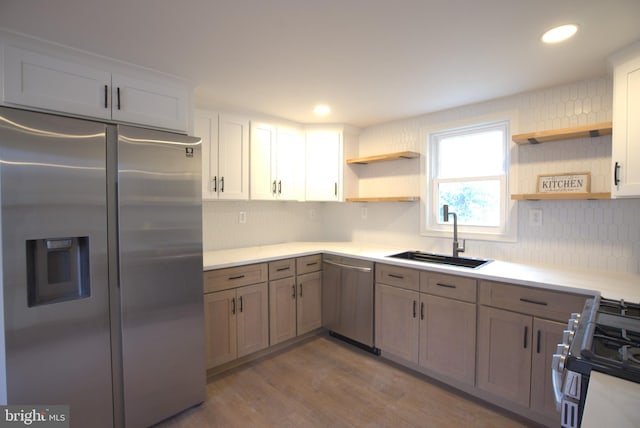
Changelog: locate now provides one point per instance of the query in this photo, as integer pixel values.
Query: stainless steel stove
(605, 337)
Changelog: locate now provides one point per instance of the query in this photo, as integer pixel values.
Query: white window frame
(430, 219)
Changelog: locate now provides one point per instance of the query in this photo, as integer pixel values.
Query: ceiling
(373, 61)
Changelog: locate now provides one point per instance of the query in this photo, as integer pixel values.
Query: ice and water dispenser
(57, 270)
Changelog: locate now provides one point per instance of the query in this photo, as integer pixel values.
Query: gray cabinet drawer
(555, 305)
(450, 286)
(282, 269)
(398, 276)
(223, 279)
(308, 264)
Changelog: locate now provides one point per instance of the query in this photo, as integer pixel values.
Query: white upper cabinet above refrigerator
(225, 155)
(626, 127)
(58, 80)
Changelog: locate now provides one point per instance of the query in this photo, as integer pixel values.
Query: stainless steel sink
(419, 256)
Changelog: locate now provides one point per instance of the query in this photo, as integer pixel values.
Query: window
(467, 169)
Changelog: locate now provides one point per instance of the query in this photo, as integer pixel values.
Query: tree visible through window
(468, 172)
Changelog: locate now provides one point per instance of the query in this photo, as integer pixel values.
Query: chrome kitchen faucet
(445, 216)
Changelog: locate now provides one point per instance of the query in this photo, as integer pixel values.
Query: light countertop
(582, 281)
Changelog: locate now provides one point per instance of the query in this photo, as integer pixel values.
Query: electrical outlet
(242, 217)
(535, 217)
(312, 214)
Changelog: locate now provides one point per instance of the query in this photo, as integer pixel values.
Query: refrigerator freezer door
(160, 231)
(54, 264)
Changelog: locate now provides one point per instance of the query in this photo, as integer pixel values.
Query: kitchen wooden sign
(578, 182)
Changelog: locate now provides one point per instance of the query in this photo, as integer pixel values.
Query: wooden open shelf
(386, 199)
(594, 130)
(560, 196)
(384, 158)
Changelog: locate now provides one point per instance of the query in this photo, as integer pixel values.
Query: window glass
(469, 173)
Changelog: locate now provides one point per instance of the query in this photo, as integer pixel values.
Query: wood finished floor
(325, 383)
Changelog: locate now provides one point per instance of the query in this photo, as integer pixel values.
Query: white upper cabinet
(626, 128)
(225, 155)
(80, 85)
(290, 164)
(145, 102)
(36, 80)
(323, 166)
(277, 163)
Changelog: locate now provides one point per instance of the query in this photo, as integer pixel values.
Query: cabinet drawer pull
(215, 184)
(422, 310)
(282, 269)
(335, 189)
(118, 93)
(414, 308)
(300, 295)
(393, 275)
(231, 278)
(222, 184)
(616, 174)
(526, 336)
(439, 284)
(293, 291)
(279, 187)
(538, 344)
(233, 306)
(312, 264)
(106, 96)
(533, 302)
(241, 304)
(273, 187)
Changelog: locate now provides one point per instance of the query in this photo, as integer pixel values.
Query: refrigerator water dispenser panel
(57, 270)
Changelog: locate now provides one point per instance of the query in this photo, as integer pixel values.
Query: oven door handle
(556, 378)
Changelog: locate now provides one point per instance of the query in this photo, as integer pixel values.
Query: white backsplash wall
(267, 222)
(581, 234)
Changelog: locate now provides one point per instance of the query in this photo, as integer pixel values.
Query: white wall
(581, 234)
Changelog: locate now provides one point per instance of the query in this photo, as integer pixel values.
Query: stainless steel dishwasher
(347, 300)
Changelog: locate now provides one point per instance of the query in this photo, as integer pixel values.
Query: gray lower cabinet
(236, 313)
(518, 329)
(427, 319)
(295, 297)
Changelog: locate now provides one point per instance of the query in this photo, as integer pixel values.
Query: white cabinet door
(263, 141)
(277, 155)
(140, 101)
(60, 84)
(205, 126)
(225, 155)
(35, 80)
(323, 166)
(233, 157)
(626, 130)
(290, 165)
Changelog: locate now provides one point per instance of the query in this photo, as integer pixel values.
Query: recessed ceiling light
(559, 34)
(322, 110)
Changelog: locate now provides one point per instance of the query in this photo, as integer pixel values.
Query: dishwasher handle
(358, 268)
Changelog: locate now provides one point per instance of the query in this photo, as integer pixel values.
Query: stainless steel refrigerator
(101, 269)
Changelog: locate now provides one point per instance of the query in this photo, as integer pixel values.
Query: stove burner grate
(629, 353)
